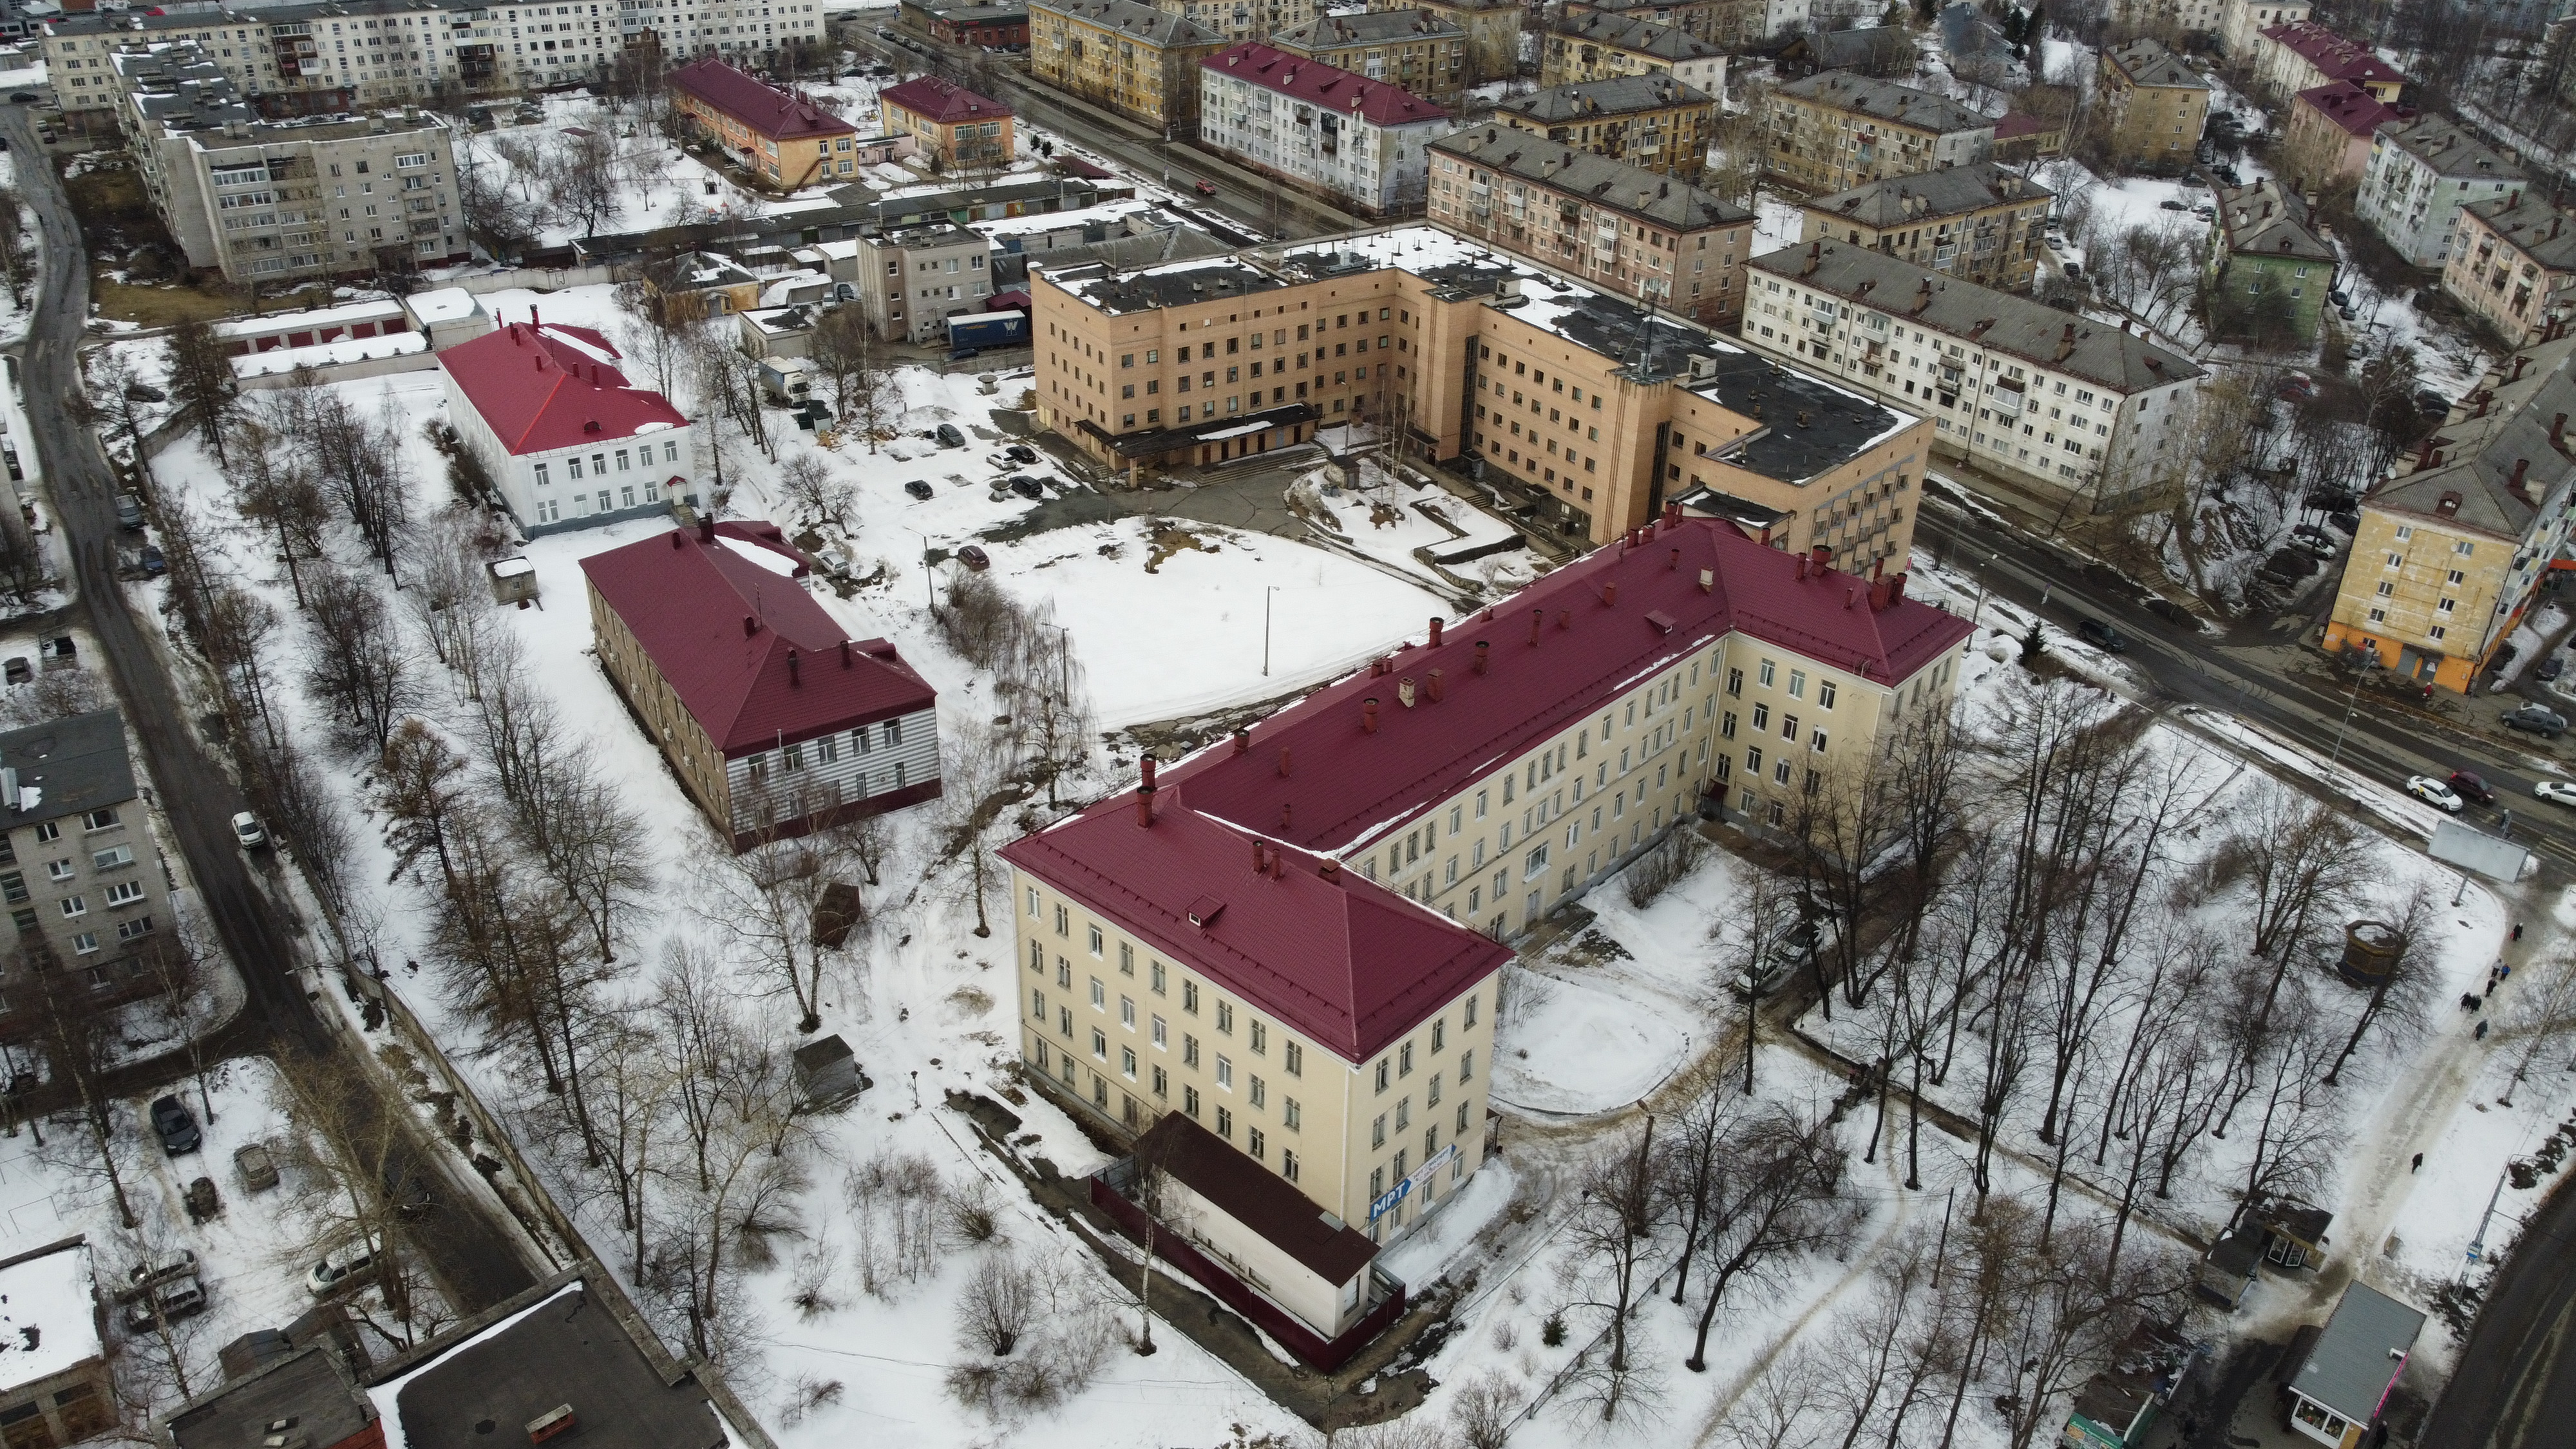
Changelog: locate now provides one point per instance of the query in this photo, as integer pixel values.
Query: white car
(2562, 791)
(2435, 793)
(338, 1268)
(248, 830)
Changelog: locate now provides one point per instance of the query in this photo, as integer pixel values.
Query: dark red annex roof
(2335, 57)
(2014, 125)
(1248, 1192)
(755, 660)
(2356, 111)
(1347, 962)
(763, 107)
(1346, 787)
(1322, 85)
(549, 386)
(937, 100)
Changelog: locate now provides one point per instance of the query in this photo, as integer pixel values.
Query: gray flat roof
(1635, 33)
(2364, 1345)
(566, 1349)
(308, 1386)
(1134, 21)
(2450, 151)
(1167, 287)
(74, 764)
(2150, 63)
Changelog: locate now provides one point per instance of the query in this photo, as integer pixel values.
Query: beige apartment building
(2153, 104)
(1238, 20)
(2455, 542)
(1618, 227)
(1651, 121)
(2513, 265)
(1981, 221)
(1139, 61)
(1835, 130)
(80, 875)
(1492, 28)
(1596, 46)
(1415, 49)
(1568, 398)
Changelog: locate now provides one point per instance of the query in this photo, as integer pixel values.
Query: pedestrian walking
(2517, 930)
(2419, 1163)
(2482, 1030)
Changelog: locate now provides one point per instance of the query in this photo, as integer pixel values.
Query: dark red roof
(763, 107)
(1349, 963)
(2356, 111)
(1322, 85)
(2335, 57)
(722, 625)
(1252, 1195)
(934, 99)
(543, 387)
(2016, 124)
(1347, 787)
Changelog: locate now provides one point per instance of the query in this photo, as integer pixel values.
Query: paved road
(473, 1252)
(2514, 1388)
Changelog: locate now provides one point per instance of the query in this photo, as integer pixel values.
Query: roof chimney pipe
(706, 528)
(1368, 714)
(1283, 762)
(1484, 656)
(1145, 793)
(1435, 632)
(1242, 741)
(1610, 594)
(1329, 871)
(795, 675)
(1538, 621)
(750, 626)
(1673, 562)
(1433, 686)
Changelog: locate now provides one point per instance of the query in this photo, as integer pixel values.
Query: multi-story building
(1980, 221)
(2167, 18)
(2021, 136)
(1358, 141)
(912, 281)
(1293, 941)
(2153, 105)
(2269, 271)
(1880, 50)
(568, 442)
(273, 201)
(1595, 46)
(993, 27)
(1415, 49)
(2330, 130)
(949, 121)
(2242, 22)
(2455, 542)
(1732, 24)
(1621, 228)
(1584, 408)
(346, 55)
(712, 639)
(2420, 175)
(81, 877)
(2065, 408)
(1138, 61)
(1233, 20)
(2513, 264)
(1650, 121)
(1833, 131)
(1492, 28)
(2299, 56)
(785, 140)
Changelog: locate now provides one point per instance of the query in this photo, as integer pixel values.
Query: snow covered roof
(327, 354)
(2151, 63)
(762, 107)
(1635, 34)
(546, 386)
(442, 304)
(66, 766)
(1325, 86)
(1958, 191)
(753, 658)
(48, 1314)
(379, 310)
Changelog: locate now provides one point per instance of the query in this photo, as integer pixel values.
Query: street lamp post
(929, 582)
(2350, 705)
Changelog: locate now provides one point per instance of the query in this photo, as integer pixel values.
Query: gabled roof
(2448, 151)
(2353, 110)
(1617, 96)
(1636, 35)
(2266, 221)
(1959, 191)
(2149, 63)
(1134, 21)
(752, 657)
(1611, 185)
(2473, 485)
(2363, 1349)
(544, 387)
(2334, 57)
(1844, 49)
(1325, 86)
(762, 107)
(1997, 321)
(2526, 222)
(941, 102)
(1375, 27)
(1844, 90)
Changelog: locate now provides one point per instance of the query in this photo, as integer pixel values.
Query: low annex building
(1291, 940)
(2513, 264)
(1357, 140)
(776, 721)
(1587, 409)
(1415, 49)
(2062, 406)
(2339, 1390)
(1835, 130)
(55, 1383)
(1596, 46)
(1619, 227)
(1981, 221)
(1650, 121)
(785, 140)
(566, 439)
(949, 121)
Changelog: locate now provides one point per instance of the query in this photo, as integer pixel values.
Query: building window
(1290, 1115)
(101, 819)
(1293, 1057)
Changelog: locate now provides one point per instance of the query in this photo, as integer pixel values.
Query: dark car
(2170, 204)
(1020, 453)
(2346, 522)
(2173, 613)
(948, 436)
(409, 1194)
(2538, 720)
(2552, 667)
(129, 511)
(2333, 500)
(2432, 404)
(2339, 297)
(2473, 785)
(2101, 636)
(153, 563)
(22, 98)
(178, 1129)
(918, 489)
(1026, 486)
(974, 557)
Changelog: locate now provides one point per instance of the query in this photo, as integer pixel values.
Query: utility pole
(1265, 628)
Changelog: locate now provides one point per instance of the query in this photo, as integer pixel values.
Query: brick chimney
(1484, 656)
(1435, 632)
(1368, 714)
(1145, 793)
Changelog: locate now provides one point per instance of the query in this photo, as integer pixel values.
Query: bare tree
(2403, 997)
(421, 787)
(1612, 1230)
(972, 788)
(1781, 1196)
(583, 179)
(201, 380)
(360, 666)
(79, 1043)
(1781, 1408)
(773, 891)
(1050, 698)
(819, 497)
(278, 493)
(996, 1305)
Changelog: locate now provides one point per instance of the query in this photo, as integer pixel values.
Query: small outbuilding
(2344, 1380)
(827, 1072)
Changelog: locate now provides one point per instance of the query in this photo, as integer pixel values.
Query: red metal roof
(1346, 786)
(2335, 57)
(762, 107)
(543, 387)
(1347, 962)
(2356, 111)
(1322, 85)
(2014, 125)
(937, 100)
(755, 660)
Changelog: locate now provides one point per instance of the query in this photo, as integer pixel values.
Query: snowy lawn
(1578, 1050)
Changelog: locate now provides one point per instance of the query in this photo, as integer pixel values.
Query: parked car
(154, 564)
(167, 1302)
(2552, 667)
(974, 557)
(248, 830)
(203, 1201)
(918, 489)
(2171, 204)
(2537, 719)
(1025, 486)
(949, 436)
(2101, 636)
(2296, 386)
(144, 1275)
(1020, 453)
(2562, 792)
(2432, 404)
(22, 98)
(257, 1166)
(338, 1268)
(2173, 613)
(2434, 793)
(409, 1193)
(2339, 296)
(129, 511)
(2472, 785)
(2348, 314)
(176, 1126)
(2347, 522)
